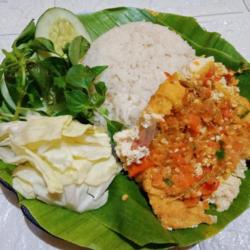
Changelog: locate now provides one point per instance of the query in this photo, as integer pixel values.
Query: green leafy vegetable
(77, 49)
(220, 154)
(41, 78)
(79, 76)
(59, 82)
(43, 44)
(56, 66)
(49, 83)
(101, 88)
(97, 70)
(114, 127)
(77, 101)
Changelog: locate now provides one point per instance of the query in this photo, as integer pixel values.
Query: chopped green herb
(169, 182)
(220, 154)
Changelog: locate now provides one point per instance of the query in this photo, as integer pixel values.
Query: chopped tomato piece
(208, 188)
(217, 78)
(210, 73)
(135, 169)
(207, 170)
(183, 180)
(194, 124)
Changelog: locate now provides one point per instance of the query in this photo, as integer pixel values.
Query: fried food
(202, 137)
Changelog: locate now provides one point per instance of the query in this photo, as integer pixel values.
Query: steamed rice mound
(137, 54)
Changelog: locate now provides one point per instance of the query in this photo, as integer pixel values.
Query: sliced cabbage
(59, 161)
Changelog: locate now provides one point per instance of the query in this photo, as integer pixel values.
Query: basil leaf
(76, 101)
(34, 97)
(77, 49)
(43, 44)
(41, 77)
(97, 100)
(59, 82)
(220, 154)
(113, 127)
(169, 182)
(55, 65)
(103, 111)
(27, 34)
(79, 76)
(101, 88)
(97, 70)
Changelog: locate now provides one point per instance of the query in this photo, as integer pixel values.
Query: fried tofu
(173, 213)
(169, 94)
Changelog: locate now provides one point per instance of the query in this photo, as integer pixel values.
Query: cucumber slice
(60, 26)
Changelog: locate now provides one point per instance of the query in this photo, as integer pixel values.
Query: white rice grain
(137, 54)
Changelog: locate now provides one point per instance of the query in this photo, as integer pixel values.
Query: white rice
(137, 54)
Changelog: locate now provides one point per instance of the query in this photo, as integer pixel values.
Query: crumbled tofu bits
(124, 146)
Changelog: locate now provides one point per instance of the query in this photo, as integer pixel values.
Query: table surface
(231, 18)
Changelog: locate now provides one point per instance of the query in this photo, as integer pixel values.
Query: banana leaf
(80, 229)
(131, 224)
(204, 42)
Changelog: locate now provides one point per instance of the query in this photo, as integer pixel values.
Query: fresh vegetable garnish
(135, 169)
(168, 181)
(220, 154)
(66, 157)
(113, 127)
(35, 78)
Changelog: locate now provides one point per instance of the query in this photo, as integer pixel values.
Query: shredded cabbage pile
(59, 161)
